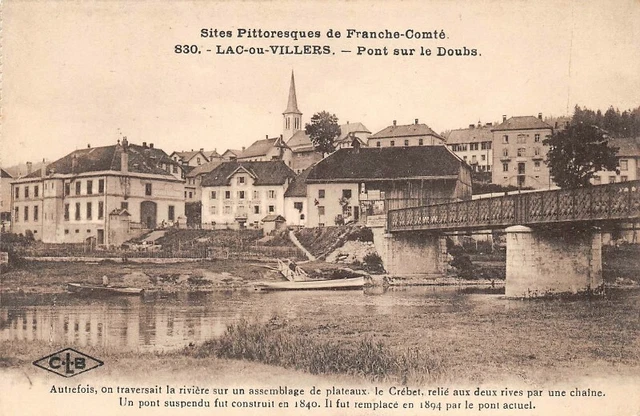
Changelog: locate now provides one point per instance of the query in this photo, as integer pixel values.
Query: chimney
(416, 121)
(504, 118)
(489, 124)
(540, 116)
(74, 163)
(347, 121)
(243, 148)
(88, 145)
(144, 144)
(281, 137)
(124, 157)
(150, 145)
(202, 149)
(29, 167)
(479, 124)
(394, 123)
(471, 126)
(43, 169)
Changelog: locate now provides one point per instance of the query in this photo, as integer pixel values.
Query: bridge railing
(616, 201)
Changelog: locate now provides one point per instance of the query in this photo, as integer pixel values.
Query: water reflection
(165, 322)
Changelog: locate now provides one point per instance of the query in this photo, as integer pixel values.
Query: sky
(79, 73)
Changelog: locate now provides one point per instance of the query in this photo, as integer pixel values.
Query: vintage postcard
(323, 208)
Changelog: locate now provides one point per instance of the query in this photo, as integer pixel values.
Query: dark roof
(273, 218)
(405, 131)
(522, 123)
(4, 174)
(94, 159)
(628, 146)
(470, 135)
(298, 187)
(380, 163)
(273, 172)
(186, 156)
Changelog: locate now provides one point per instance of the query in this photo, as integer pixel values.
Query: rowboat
(331, 284)
(98, 290)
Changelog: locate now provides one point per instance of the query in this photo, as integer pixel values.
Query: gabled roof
(298, 187)
(405, 131)
(470, 135)
(627, 147)
(5, 174)
(187, 156)
(386, 163)
(346, 129)
(233, 152)
(521, 123)
(212, 154)
(204, 168)
(273, 172)
(258, 148)
(273, 218)
(108, 158)
(300, 141)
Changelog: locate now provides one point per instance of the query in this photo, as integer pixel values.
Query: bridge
(554, 241)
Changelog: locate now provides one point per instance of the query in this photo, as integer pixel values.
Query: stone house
(415, 134)
(474, 146)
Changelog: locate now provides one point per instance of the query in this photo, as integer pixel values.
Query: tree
(577, 152)
(323, 131)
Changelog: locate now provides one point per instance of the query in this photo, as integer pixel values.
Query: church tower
(292, 117)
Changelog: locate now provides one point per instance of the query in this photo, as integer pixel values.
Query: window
(226, 209)
(320, 209)
(214, 195)
(505, 139)
(272, 209)
(78, 185)
(77, 231)
(147, 189)
(505, 167)
(297, 205)
(100, 210)
(240, 194)
(483, 157)
(256, 194)
(26, 192)
(474, 159)
(320, 193)
(393, 143)
(227, 194)
(536, 165)
(536, 138)
(256, 209)
(191, 195)
(241, 180)
(521, 138)
(612, 179)
(346, 193)
(66, 212)
(198, 161)
(536, 151)
(89, 210)
(172, 213)
(377, 144)
(66, 231)
(213, 210)
(505, 152)
(597, 180)
(36, 191)
(406, 142)
(175, 169)
(624, 164)
(271, 194)
(485, 145)
(522, 152)
(26, 214)
(35, 212)
(420, 142)
(124, 205)
(464, 157)
(185, 194)
(624, 178)
(89, 187)
(16, 216)
(488, 168)
(77, 211)
(473, 146)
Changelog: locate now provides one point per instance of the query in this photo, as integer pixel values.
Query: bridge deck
(611, 202)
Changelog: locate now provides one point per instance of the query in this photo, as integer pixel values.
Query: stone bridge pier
(411, 253)
(553, 261)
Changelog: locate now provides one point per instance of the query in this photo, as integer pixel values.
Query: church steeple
(292, 116)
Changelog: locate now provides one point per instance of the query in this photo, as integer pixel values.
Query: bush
(373, 263)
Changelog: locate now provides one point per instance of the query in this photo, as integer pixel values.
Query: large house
(191, 158)
(415, 134)
(364, 182)
(474, 146)
(519, 152)
(237, 194)
(5, 198)
(265, 150)
(628, 162)
(105, 195)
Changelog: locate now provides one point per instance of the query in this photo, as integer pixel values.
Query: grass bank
(274, 344)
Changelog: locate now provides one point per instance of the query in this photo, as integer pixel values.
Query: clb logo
(68, 363)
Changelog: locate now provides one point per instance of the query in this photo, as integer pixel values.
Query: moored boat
(331, 284)
(98, 290)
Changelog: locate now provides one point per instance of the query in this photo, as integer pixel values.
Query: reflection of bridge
(553, 237)
(596, 204)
